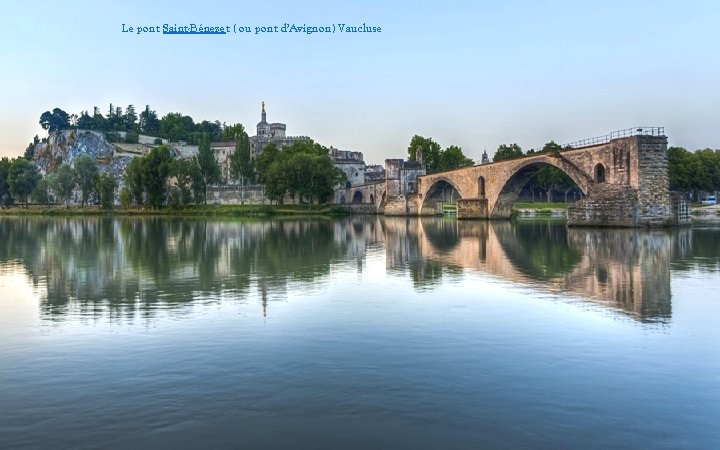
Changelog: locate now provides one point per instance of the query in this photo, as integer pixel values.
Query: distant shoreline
(188, 211)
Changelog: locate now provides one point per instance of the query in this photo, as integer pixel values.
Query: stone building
(351, 163)
(401, 176)
(374, 173)
(270, 133)
(222, 151)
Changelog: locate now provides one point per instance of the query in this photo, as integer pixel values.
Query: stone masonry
(624, 183)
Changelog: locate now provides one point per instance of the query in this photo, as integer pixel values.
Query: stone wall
(615, 206)
(252, 195)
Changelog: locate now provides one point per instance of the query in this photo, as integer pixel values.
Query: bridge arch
(442, 190)
(357, 197)
(509, 188)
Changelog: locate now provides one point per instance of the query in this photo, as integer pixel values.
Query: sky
(475, 74)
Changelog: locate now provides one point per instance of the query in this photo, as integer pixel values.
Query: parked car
(709, 200)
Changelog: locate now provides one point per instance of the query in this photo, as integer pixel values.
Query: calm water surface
(357, 333)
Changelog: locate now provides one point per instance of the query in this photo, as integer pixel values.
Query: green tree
(212, 129)
(680, 168)
(505, 152)
(85, 121)
(551, 147)
(133, 177)
(209, 169)
(156, 168)
(5, 194)
(126, 198)
(55, 120)
(552, 179)
(241, 166)
(198, 186)
(231, 132)
(23, 177)
(453, 158)
(30, 150)
(149, 123)
(62, 182)
(176, 127)
(40, 193)
(264, 161)
(431, 153)
(130, 119)
(186, 172)
(105, 186)
(86, 169)
(709, 160)
(100, 123)
(303, 169)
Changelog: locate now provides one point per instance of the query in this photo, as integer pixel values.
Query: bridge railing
(628, 132)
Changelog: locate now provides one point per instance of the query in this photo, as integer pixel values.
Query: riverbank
(705, 210)
(188, 211)
(540, 209)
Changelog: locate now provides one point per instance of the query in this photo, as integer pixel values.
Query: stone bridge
(624, 182)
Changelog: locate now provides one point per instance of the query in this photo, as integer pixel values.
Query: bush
(125, 198)
(112, 136)
(175, 200)
(158, 141)
(131, 137)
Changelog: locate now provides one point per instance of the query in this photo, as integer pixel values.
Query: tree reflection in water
(131, 267)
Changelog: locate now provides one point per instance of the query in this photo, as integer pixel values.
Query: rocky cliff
(62, 147)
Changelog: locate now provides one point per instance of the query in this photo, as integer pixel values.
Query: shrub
(125, 198)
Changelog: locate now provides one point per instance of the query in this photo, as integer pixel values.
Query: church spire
(262, 114)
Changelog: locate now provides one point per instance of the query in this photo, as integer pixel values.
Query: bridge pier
(472, 208)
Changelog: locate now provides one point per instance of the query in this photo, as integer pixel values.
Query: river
(362, 332)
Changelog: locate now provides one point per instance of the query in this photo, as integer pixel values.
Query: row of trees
(302, 170)
(694, 172)
(147, 178)
(21, 181)
(435, 158)
(172, 126)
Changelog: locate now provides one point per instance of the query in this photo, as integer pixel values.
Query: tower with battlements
(270, 133)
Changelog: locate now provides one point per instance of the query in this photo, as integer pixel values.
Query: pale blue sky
(474, 74)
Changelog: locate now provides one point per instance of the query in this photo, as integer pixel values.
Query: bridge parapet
(619, 134)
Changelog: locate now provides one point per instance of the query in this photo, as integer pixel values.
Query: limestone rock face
(62, 147)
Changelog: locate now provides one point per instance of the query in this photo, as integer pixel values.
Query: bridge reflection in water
(129, 268)
(627, 270)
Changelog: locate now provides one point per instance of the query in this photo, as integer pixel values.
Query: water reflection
(627, 270)
(124, 268)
